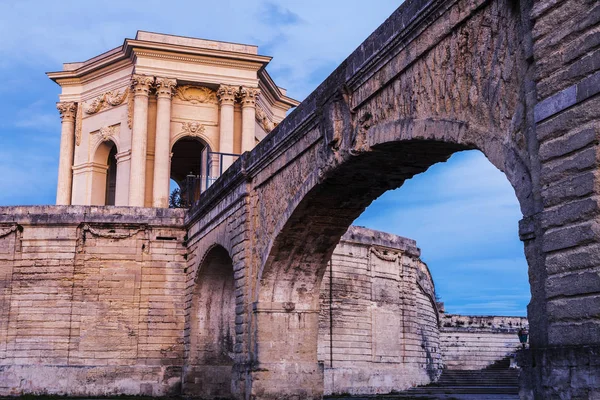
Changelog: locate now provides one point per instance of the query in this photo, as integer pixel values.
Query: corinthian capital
(165, 87)
(67, 110)
(227, 94)
(248, 96)
(141, 84)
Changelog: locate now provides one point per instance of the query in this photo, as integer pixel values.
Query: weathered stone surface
(436, 78)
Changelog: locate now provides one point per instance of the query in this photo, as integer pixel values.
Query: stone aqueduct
(518, 80)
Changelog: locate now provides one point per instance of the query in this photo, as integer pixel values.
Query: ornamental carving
(193, 128)
(67, 110)
(141, 84)
(264, 121)
(385, 255)
(165, 87)
(196, 94)
(227, 94)
(106, 133)
(8, 230)
(78, 124)
(130, 112)
(106, 100)
(249, 95)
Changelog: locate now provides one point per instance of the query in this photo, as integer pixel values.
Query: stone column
(162, 151)
(226, 95)
(67, 147)
(140, 85)
(248, 97)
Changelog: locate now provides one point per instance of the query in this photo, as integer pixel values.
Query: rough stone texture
(476, 342)
(378, 324)
(91, 300)
(435, 78)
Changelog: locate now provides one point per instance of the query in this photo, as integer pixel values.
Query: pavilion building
(156, 109)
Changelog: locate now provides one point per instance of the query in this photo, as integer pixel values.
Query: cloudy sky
(463, 213)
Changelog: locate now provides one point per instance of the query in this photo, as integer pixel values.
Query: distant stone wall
(91, 300)
(475, 342)
(378, 328)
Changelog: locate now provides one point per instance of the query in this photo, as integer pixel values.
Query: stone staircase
(497, 380)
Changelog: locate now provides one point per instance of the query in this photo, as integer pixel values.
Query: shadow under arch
(210, 328)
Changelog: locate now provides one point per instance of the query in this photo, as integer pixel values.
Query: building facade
(157, 108)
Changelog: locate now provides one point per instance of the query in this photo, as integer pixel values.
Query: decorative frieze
(196, 94)
(106, 100)
(165, 87)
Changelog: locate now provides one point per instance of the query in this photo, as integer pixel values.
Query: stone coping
(73, 215)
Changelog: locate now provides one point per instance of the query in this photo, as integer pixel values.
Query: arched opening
(464, 216)
(188, 163)
(104, 174)
(210, 333)
(111, 177)
(323, 208)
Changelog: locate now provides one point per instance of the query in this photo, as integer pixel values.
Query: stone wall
(91, 300)
(378, 326)
(476, 342)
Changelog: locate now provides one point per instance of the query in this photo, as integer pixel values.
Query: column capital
(165, 87)
(248, 96)
(227, 94)
(67, 110)
(141, 84)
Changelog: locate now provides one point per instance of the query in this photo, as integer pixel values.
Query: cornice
(131, 47)
(72, 78)
(272, 90)
(251, 66)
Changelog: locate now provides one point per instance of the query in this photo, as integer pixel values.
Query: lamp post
(523, 334)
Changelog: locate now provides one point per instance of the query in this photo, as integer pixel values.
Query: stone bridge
(517, 80)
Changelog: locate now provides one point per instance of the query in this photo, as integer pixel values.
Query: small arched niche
(104, 174)
(210, 333)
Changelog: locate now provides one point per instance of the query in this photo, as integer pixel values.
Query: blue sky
(463, 213)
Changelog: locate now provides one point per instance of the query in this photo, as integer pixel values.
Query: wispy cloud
(276, 15)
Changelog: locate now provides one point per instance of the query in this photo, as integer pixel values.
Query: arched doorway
(188, 163)
(104, 174)
(210, 331)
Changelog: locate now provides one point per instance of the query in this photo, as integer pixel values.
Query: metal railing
(216, 164)
(213, 166)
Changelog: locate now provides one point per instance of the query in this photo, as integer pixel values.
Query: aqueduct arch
(518, 80)
(436, 78)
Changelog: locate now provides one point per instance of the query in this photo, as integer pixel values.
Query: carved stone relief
(196, 94)
(193, 128)
(106, 100)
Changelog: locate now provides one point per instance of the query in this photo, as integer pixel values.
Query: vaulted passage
(210, 328)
